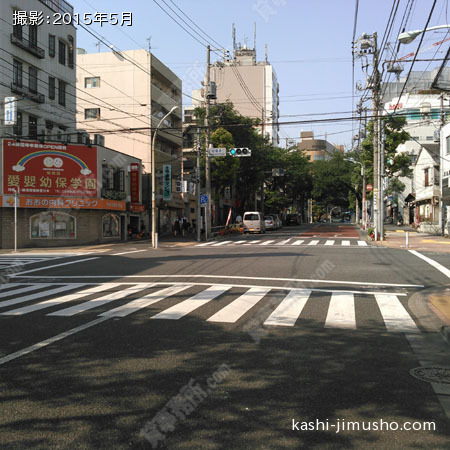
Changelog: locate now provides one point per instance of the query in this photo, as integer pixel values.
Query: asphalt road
(285, 340)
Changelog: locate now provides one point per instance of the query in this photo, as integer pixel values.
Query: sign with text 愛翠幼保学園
(53, 169)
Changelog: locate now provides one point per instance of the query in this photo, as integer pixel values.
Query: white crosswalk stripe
(289, 310)
(329, 242)
(267, 242)
(186, 307)
(25, 259)
(362, 243)
(232, 312)
(298, 242)
(341, 310)
(313, 242)
(145, 301)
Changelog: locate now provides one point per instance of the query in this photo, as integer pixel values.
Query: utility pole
(197, 187)
(442, 207)
(381, 179)
(208, 138)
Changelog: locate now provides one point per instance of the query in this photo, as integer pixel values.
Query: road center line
(127, 253)
(432, 262)
(51, 340)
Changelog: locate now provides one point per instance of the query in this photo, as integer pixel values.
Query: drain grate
(432, 374)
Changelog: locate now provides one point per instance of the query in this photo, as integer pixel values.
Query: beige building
(38, 69)
(121, 96)
(316, 149)
(251, 86)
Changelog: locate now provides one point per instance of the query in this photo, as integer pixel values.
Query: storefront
(67, 195)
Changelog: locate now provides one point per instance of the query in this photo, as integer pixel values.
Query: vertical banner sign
(167, 182)
(10, 111)
(134, 182)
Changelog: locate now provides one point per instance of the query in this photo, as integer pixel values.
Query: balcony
(26, 45)
(26, 93)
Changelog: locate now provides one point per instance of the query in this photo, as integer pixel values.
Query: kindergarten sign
(49, 169)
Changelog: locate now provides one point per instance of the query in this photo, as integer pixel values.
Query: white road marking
(237, 277)
(289, 310)
(127, 253)
(46, 293)
(32, 287)
(112, 296)
(221, 243)
(341, 311)
(395, 316)
(51, 340)
(193, 303)
(267, 242)
(252, 242)
(345, 243)
(298, 242)
(313, 242)
(432, 262)
(236, 309)
(204, 244)
(284, 242)
(329, 242)
(239, 242)
(147, 300)
(57, 300)
(52, 266)
(362, 243)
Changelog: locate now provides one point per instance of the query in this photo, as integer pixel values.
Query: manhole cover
(432, 374)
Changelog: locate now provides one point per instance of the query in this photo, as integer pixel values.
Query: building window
(62, 92)
(92, 113)
(18, 126)
(92, 82)
(426, 177)
(32, 79)
(119, 180)
(52, 225)
(51, 88)
(17, 73)
(448, 145)
(32, 127)
(70, 54)
(51, 45)
(32, 35)
(111, 225)
(18, 31)
(62, 52)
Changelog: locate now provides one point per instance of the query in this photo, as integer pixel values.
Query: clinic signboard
(49, 169)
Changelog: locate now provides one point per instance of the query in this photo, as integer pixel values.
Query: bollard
(407, 239)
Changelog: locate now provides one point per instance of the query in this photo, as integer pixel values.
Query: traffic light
(240, 152)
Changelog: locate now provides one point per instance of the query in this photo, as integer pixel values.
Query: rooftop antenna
(149, 40)
(254, 37)
(267, 53)
(98, 44)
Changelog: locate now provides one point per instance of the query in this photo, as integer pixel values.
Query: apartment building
(124, 96)
(316, 149)
(37, 67)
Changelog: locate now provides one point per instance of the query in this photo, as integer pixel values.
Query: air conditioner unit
(436, 136)
(99, 139)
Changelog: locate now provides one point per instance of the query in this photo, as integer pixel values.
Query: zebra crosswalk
(222, 303)
(23, 259)
(294, 242)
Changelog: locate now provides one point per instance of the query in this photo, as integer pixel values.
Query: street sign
(369, 187)
(167, 182)
(10, 111)
(203, 199)
(220, 151)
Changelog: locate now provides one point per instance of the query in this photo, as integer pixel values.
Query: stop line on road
(290, 242)
(287, 307)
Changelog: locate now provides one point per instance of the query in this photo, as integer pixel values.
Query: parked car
(292, 219)
(278, 223)
(253, 222)
(269, 223)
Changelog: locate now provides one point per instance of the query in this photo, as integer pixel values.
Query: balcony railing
(25, 92)
(26, 45)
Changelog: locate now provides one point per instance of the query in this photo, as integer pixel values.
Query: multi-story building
(445, 178)
(250, 85)
(125, 95)
(316, 149)
(38, 68)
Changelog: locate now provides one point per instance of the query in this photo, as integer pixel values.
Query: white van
(253, 222)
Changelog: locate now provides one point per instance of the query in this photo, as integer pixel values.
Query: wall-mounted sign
(167, 182)
(49, 169)
(134, 182)
(10, 111)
